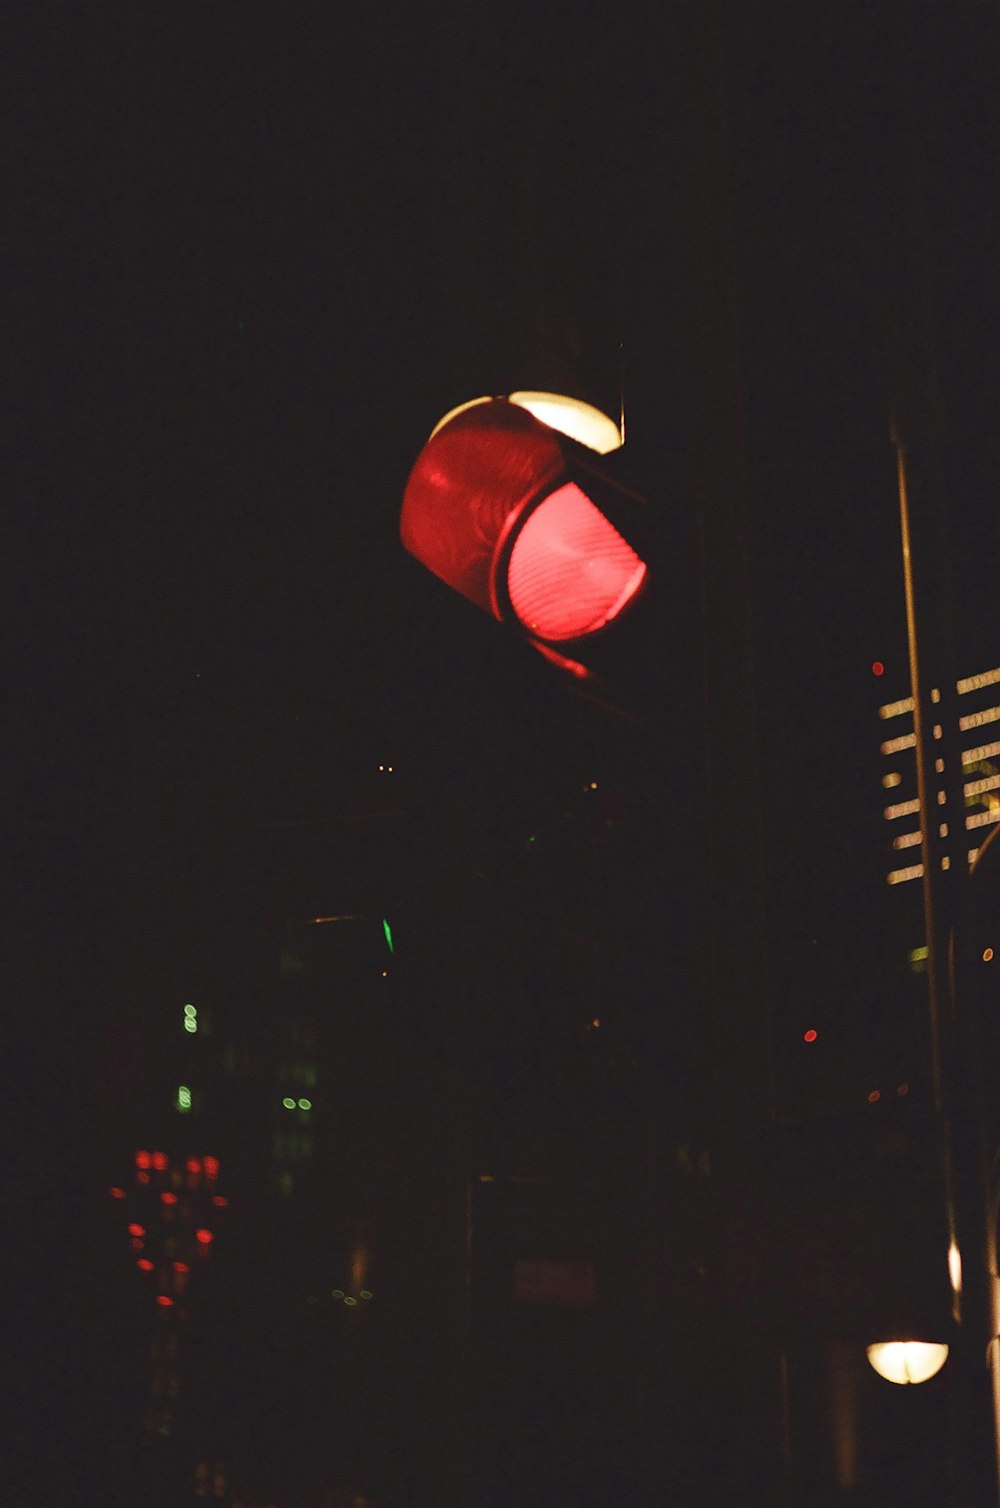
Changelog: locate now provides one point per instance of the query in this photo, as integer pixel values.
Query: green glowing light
(365, 1294)
(288, 1104)
(191, 1026)
(191, 1012)
(349, 1300)
(183, 1097)
(305, 1104)
(338, 1293)
(388, 934)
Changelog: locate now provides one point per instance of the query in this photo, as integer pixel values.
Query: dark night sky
(253, 253)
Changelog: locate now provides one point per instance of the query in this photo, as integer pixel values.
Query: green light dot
(190, 1026)
(183, 1097)
(305, 1104)
(388, 934)
(190, 1011)
(288, 1104)
(365, 1294)
(338, 1293)
(350, 1301)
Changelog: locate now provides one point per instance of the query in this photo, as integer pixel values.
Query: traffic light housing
(529, 523)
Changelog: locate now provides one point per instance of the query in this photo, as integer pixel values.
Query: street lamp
(906, 1361)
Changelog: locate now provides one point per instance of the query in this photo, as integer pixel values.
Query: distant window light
(893, 778)
(981, 751)
(978, 719)
(946, 862)
(942, 829)
(901, 809)
(907, 840)
(894, 709)
(935, 695)
(973, 682)
(900, 876)
(904, 741)
(982, 819)
(976, 787)
(942, 797)
(938, 731)
(939, 766)
(973, 855)
(810, 1035)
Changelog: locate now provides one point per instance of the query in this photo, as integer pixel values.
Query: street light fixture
(906, 1361)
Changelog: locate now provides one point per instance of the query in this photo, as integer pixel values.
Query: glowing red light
(137, 1230)
(878, 668)
(142, 1177)
(874, 1097)
(145, 1264)
(204, 1236)
(903, 1089)
(159, 1161)
(168, 1198)
(164, 1299)
(810, 1035)
(181, 1267)
(570, 571)
(116, 1193)
(193, 1165)
(142, 1159)
(211, 1166)
(220, 1200)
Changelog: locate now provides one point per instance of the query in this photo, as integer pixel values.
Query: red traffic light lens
(570, 571)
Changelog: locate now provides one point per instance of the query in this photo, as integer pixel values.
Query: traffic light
(515, 503)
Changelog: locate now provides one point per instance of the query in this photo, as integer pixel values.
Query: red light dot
(193, 1165)
(137, 1230)
(204, 1236)
(874, 1097)
(159, 1161)
(211, 1166)
(810, 1035)
(142, 1159)
(878, 668)
(220, 1200)
(164, 1299)
(181, 1267)
(142, 1177)
(168, 1198)
(145, 1264)
(903, 1089)
(116, 1193)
